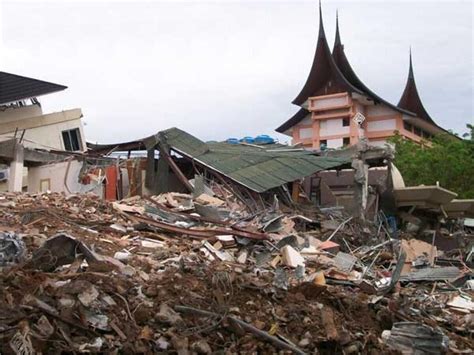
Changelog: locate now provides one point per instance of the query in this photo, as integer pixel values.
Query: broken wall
(61, 177)
(336, 188)
(44, 131)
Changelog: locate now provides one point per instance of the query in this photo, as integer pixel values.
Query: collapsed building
(196, 247)
(22, 116)
(23, 122)
(204, 271)
(169, 244)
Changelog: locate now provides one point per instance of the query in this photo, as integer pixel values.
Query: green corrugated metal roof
(256, 168)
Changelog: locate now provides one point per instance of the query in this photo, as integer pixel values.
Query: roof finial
(337, 41)
(321, 27)
(410, 99)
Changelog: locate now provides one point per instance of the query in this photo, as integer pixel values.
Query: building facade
(337, 108)
(22, 117)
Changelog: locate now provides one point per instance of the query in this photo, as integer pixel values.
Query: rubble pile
(200, 274)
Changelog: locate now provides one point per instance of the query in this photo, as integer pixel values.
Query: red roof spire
(410, 99)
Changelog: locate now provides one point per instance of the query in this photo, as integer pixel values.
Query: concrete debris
(205, 199)
(345, 262)
(12, 249)
(148, 275)
(119, 228)
(201, 347)
(88, 296)
(242, 257)
(461, 303)
(281, 280)
(168, 315)
(291, 257)
(419, 253)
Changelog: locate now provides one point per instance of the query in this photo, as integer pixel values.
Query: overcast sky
(230, 68)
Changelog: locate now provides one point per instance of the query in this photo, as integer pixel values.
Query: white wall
(60, 180)
(321, 104)
(306, 133)
(379, 110)
(47, 137)
(43, 131)
(332, 126)
(13, 113)
(307, 120)
(382, 125)
(335, 143)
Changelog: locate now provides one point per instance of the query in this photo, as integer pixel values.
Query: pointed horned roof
(332, 73)
(324, 76)
(411, 100)
(344, 66)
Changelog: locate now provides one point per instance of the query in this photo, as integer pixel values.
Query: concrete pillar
(361, 179)
(15, 176)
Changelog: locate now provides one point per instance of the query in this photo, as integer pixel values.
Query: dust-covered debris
(153, 275)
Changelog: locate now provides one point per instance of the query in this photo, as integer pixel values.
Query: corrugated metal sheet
(433, 274)
(257, 168)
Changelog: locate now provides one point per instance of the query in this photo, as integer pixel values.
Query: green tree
(445, 159)
(470, 134)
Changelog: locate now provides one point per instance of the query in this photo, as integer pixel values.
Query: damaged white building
(23, 120)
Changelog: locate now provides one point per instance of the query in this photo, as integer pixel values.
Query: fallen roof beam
(204, 233)
(165, 154)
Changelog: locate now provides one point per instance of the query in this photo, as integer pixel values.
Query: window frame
(74, 140)
(406, 125)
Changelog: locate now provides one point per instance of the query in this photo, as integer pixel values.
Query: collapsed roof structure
(255, 168)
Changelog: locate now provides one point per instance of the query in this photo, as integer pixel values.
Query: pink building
(333, 101)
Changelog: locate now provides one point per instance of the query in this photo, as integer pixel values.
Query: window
(427, 135)
(346, 141)
(408, 126)
(346, 122)
(417, 131)
(323, 143)
(45, 185)
(72, 140)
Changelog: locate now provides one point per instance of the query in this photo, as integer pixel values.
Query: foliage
(444, 159)
(470, 135)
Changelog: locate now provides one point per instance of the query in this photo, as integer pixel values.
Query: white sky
(229, 68)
